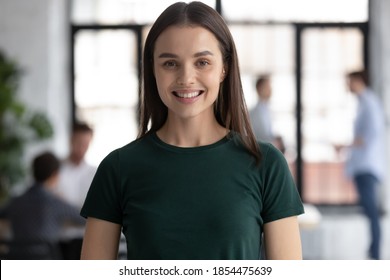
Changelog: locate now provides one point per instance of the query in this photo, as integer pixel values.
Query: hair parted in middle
(230, 108)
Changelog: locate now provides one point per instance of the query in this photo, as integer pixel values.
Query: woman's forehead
(184, 39)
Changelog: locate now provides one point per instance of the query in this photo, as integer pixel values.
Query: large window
(106, 87)
(328, 109)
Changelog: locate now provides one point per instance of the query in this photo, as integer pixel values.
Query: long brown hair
(230, 108)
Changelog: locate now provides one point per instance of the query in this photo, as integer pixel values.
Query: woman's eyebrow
(171, 55)
(168, 55)
(203, 53)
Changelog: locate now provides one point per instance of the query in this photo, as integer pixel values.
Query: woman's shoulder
(271, 154)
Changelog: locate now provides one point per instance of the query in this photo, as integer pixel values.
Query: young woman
(195, 184)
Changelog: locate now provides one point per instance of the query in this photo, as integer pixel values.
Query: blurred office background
(81, 60)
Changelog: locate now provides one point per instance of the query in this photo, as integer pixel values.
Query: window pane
(106, 88)
(328, 110)
(297, 10)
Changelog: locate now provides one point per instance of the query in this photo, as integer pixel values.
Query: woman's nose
(186, 75)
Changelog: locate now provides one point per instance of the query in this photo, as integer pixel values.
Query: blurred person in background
(365, 163)
(260, 115)
(38, 216)
(76, 175)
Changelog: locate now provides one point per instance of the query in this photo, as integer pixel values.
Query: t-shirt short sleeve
(280, 195)
(103, 198)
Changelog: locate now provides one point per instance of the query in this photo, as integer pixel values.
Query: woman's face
(188, 68)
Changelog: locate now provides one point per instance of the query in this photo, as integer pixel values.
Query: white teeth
(188, 94)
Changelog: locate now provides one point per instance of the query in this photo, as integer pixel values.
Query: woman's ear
(223, 74)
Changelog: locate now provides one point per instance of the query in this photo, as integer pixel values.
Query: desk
(70, 240)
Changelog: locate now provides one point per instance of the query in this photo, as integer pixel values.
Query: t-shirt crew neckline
(177, 149)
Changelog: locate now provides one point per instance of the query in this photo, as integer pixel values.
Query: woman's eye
(170, 64)
(203, 63)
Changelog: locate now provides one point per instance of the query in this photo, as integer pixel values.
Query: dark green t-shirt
(207, 202)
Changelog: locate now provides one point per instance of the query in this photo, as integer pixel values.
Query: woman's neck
(192, 132)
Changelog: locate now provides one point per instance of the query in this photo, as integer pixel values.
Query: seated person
(37, 216)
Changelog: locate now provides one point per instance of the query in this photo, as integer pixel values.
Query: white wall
(35, 34)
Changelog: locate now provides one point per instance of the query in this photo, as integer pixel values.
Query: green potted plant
(18, 127)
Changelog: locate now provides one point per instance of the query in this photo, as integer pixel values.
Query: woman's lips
(187, 94)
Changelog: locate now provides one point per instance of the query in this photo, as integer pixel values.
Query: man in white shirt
(76, 174)
(260, 115)
(366, 163)
(75, 179)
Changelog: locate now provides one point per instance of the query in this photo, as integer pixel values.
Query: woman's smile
(187, 96)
